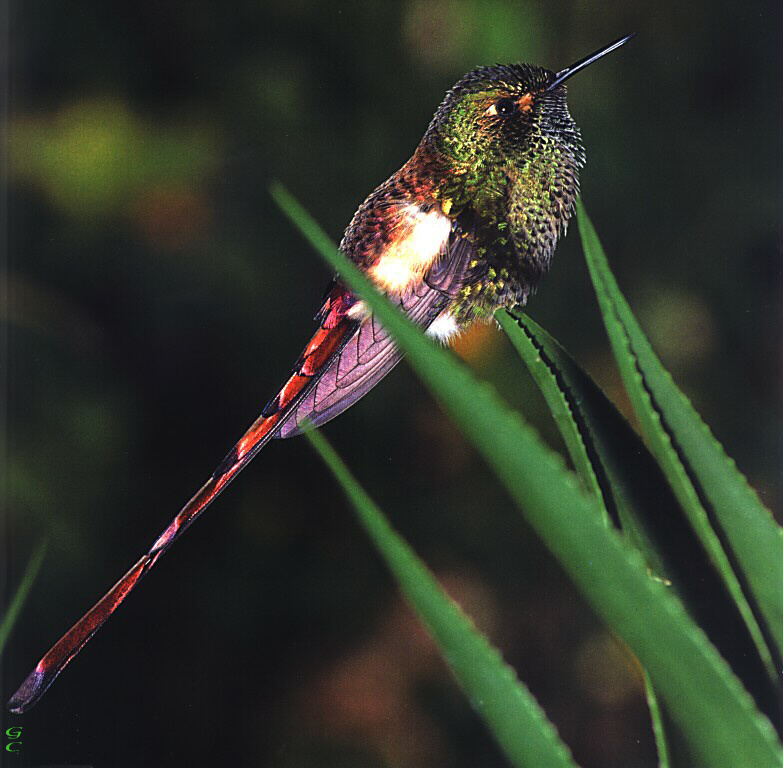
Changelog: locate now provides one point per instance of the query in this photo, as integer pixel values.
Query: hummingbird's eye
(508, 106)
(505, 107)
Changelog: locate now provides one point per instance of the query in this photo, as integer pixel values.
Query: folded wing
(370, 354)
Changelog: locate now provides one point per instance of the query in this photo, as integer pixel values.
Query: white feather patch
(443, 328)
(359, 311)
(420, 237)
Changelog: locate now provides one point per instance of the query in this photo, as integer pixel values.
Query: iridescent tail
(335, 332)
(348, 355)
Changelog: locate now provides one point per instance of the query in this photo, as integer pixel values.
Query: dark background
(156, 298)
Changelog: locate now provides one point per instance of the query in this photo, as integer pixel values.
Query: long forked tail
(335, 332)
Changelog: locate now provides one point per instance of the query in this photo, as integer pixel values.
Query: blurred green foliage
(156, 298)
(96, 158)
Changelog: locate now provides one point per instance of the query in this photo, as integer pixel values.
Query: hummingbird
(466, 226)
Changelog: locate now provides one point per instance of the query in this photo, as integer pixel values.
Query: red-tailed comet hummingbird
(468, 225)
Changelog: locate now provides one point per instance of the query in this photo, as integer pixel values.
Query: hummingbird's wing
(371, 353)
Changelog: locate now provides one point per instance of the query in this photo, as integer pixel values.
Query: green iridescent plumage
(501, 159)
(513, 178)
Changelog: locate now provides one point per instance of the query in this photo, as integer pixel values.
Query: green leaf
(22, 591)
(508, 708)
(659, 731)
(632, 487)
(701, 691)
(591, 426)
(695, 464)
(640, 500)
(546, 376)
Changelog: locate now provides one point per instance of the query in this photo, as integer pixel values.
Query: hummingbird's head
(505, 114)
(506, 153)
(503, 139)
(507, 127)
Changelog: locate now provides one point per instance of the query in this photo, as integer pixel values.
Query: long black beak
(564, 74)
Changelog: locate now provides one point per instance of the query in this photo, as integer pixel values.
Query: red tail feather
(335, 331)
(345, 358)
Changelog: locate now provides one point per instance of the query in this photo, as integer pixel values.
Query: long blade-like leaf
(508, 708)
(641, 501)
(591, 427)
(613, 450)
(659, 729)
(697, 684)
(695, 464)
(562, 409)
(17, 601)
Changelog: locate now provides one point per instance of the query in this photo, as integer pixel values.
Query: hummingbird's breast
(514, 233)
